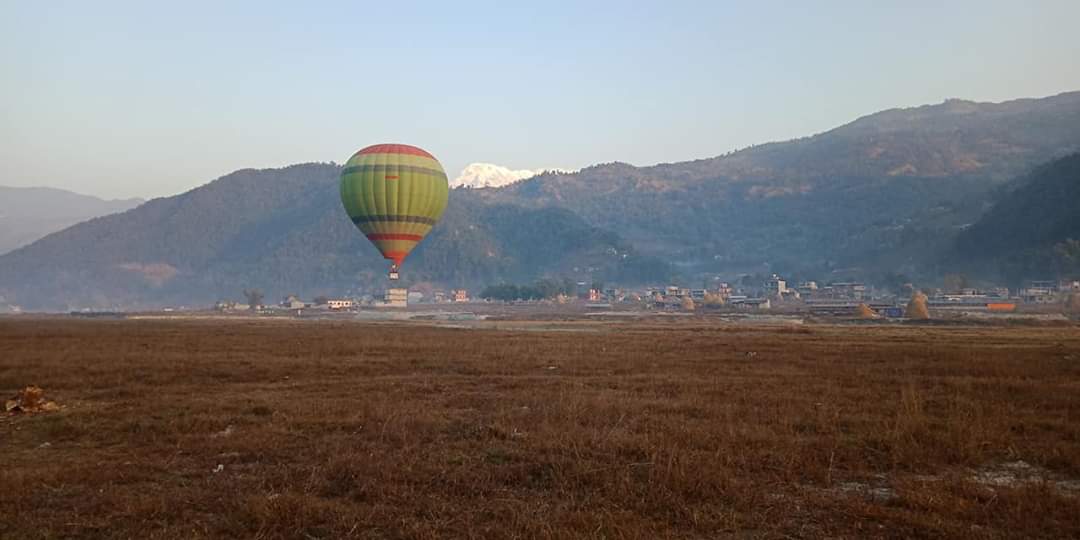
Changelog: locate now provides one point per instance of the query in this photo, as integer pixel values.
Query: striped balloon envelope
(394, 193)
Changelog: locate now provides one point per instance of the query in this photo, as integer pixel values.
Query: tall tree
(254, 298)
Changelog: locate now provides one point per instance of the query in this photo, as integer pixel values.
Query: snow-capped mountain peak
(480, 175)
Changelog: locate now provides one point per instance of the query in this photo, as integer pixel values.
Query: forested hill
(886, 193)
(283, 231)
(957, 138)
(1033, 230)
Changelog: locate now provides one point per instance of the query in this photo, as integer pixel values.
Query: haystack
(688, 304)
(863, 311)
(916, 308)
(713, 300)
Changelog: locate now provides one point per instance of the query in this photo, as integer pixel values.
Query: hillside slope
(888, 191)
(1033, 230)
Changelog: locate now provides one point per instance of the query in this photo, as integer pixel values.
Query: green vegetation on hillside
(886, 193)
(1033, 230)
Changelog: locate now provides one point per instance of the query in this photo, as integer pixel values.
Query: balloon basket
(394, 273)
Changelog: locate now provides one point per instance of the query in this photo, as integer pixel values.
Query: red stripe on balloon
(393, 236)
(397, 256)
(395, 149)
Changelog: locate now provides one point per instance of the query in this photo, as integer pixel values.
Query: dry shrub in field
(863, 311)
(911, 419)
(916, 308)
(29, 400)
(688, 304)
(713, 300)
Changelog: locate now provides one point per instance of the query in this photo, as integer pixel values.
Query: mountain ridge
(30, 213)
(837, 205)
(908, 190)
(283, 231)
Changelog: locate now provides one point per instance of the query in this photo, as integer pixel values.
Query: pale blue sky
(149, 99)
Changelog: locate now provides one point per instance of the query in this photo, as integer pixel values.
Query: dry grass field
(651, 429)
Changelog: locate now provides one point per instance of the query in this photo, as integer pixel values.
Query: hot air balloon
(394, 193)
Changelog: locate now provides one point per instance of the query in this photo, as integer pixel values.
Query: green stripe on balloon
(392, 218)
(383, 169)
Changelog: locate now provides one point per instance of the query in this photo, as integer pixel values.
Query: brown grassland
(652, 429)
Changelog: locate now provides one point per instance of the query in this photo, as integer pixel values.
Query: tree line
(542, 289)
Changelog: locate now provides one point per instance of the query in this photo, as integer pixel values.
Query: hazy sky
(149, 99)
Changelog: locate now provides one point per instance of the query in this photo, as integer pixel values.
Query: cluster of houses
(673, 297)
(1046, 292)
(1034, 293)
(393, 298)
(841, 297)
(775, 292)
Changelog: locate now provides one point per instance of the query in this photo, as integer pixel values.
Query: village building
(775, 286)
(1039, 292)
(724, 290)
(292, 302)
(677, 292)
(742, 302)
(228, 305)
(845, 290)
(340, 303)
(614, 295)
(397, 297)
